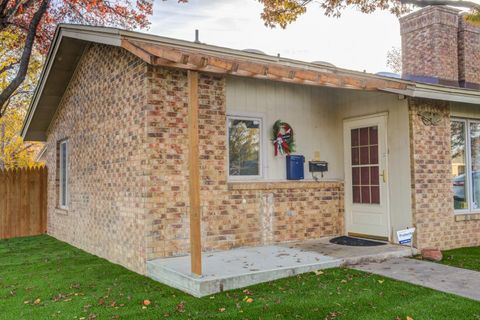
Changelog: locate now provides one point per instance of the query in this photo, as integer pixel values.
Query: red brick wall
(469, 54)
(233, 215)
(432, 195)
(429, 44)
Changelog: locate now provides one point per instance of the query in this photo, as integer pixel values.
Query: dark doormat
(355, 242)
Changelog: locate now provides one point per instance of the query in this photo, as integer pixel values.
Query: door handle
(384, 176)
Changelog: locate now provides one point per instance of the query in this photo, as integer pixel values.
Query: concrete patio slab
(237, 268)
(462, 282)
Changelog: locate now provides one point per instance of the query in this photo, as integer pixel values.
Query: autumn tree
(283, 12)
(29, 25)
(14, 153)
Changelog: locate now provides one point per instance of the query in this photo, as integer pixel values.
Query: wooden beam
(194, 171)
(137, 51)
(197, 60)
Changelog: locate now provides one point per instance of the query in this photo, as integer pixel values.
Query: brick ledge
(272, 185)
(467, 217)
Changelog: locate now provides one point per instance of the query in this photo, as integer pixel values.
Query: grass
(468, 258)
(42, 278)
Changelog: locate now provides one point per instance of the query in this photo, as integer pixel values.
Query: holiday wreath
(283, 138)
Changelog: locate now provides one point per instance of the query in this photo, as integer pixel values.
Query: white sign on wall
(405, 236)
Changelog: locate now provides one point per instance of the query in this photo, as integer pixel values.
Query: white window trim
(468, 167)
(247, 116)
(63, 206)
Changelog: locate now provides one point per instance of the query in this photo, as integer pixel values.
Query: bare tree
(394, 59)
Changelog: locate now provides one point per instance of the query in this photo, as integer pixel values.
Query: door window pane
(244, 146)
(365, 165)
(458, 146)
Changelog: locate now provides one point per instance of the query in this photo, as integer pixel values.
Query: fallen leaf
(409, 318)
(37, 301)
(249, 300)
(146, 302)
(381, 281)
(318, 272)
(221, 309)
(101, 301)
(181, 307)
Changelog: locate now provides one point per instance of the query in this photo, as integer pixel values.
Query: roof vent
(256, 51)
(389, 75)
(323, 63)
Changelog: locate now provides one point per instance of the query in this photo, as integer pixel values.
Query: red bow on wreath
(283, 138)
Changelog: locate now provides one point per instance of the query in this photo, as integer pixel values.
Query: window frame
(468, 166)
(261, 160)
(63, 193)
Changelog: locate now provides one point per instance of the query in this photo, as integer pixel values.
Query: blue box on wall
(295, 169)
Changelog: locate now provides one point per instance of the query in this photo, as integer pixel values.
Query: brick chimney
(468, 55)
(430, 45)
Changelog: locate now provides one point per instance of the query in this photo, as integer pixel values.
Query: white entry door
(366, 183)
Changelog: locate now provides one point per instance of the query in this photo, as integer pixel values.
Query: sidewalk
(462, 282)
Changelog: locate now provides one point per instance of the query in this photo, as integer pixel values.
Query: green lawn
(468, 258)
(42, 278)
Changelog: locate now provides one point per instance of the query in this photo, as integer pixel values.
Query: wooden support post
(194, 171)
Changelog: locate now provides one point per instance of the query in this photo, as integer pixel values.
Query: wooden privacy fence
(23, 202)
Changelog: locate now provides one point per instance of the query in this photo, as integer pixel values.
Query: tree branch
(26, 54)
(453, 3)
(3, 6)
(9, 67)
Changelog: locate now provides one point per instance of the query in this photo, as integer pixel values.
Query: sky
(354, 41)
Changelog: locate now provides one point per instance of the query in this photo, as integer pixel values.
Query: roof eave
(420, 90)
(109, 36)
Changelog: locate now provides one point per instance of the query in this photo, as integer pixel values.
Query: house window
(244, 147)
(465, 146)
(63, 172)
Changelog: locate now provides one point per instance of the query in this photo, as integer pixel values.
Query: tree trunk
(25, 58)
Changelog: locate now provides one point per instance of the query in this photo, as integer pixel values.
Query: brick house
(144, 139)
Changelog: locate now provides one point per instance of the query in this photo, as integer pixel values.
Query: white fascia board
(453, 95)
